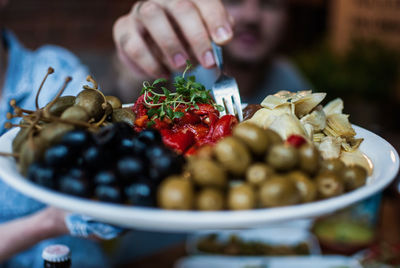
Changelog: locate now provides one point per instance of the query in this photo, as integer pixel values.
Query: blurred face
(258, 28)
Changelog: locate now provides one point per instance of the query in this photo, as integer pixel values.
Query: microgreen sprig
(188, 93)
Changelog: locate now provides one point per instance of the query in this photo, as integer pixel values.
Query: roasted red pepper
(180, 141)
(223, 127)
(296, 140)
(198, 125)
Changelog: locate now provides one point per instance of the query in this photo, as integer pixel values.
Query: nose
(251, 10)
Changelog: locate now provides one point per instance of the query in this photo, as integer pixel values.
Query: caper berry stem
(9, 154)
(49, 71)
(90, 79)
(8, 125)
(67, 80)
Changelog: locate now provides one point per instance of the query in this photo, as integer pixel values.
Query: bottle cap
(56, 253)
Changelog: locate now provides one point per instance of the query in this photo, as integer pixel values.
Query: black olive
(131, 168)
(107, 136)
(160, 167)
(126, 147)
(93, 157)
(105, 177)
(42, 175)
(74, 186)
(108, 193)
(155, 151)
(77, 173)
(150, 136)
(77, 139)
(139, 147)
(140, 194)
(125, 130)
(58, 155)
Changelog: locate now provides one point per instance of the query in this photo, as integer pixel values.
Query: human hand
(158, 36)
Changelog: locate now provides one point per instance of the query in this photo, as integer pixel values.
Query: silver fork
(225, 88)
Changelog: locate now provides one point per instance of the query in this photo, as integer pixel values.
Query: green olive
(76, 113)
(123, 115)
(273, 136)
(61, 104)
(253, 136)
(19, 139)
(52, 133)
(332, 165)
(233, 155)
(329, 184)
(279, 191)
(354, 177)
(282, 157)
(241, 197)
(92, 101)
(210, 199)
(206, 172)
(175, 192)
(309, 159)
(31, 151)
(306, 187)
(257, 173)
(114, 101)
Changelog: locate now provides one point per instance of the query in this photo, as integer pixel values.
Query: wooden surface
(365, 19)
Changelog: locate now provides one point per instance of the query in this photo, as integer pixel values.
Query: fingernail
(179, 60)
(208, 59)
(223, 34)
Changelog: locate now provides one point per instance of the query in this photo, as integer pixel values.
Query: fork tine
(238, 105)
(220, 101)
(229, 104)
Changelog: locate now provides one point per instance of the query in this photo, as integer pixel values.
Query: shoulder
(285, 75)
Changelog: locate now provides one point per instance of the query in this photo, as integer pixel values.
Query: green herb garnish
(187, 94)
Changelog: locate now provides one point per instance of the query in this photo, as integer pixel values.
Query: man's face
(258, 28)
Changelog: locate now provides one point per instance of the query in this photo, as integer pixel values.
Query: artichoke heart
(286, 125)
(305, 105)
(330, 147)
(334, 107)
(272, 101)
(317, 119)
(264, 117)
(309, 129)
(351, 144)
(317, 137)
(338, 125)
(283, 96)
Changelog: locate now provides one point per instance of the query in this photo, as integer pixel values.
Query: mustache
(253, 28)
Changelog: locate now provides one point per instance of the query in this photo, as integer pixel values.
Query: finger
(133, 49)
(187, 17)
(218, 21)
(157, 24)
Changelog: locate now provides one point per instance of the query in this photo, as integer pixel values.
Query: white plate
(383, 156)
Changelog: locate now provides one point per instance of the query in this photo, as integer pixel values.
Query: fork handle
(217, 50)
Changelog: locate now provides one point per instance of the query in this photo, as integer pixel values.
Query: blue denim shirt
(24, 74)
